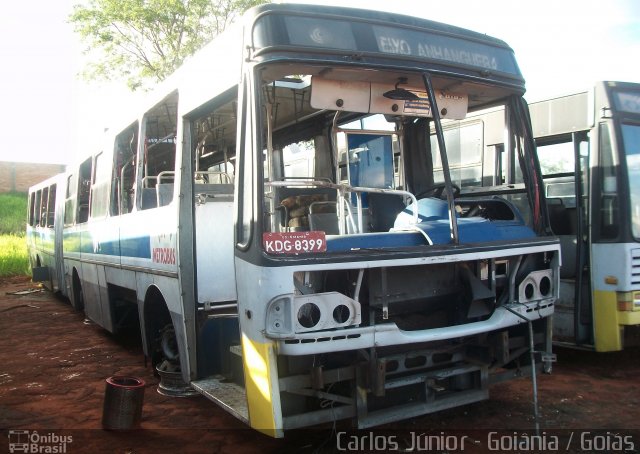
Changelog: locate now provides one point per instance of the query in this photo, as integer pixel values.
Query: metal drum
(123, 400)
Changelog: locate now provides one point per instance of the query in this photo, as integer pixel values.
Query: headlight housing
(291, 314)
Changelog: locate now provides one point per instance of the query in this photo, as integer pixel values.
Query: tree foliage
(146, 40)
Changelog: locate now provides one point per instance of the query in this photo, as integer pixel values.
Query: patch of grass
(13, 213)
(14, 260)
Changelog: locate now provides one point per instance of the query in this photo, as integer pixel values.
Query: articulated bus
(327, 213)
(589, 151)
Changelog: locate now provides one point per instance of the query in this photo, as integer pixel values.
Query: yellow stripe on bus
(258, 367)
(607, 331)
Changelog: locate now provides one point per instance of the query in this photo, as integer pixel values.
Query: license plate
(294, 242)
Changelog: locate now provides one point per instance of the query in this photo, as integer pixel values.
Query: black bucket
(123, 397)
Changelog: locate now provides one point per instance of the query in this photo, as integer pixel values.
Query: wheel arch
(155, 315)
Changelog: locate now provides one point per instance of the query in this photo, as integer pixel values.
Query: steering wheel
(437, 191)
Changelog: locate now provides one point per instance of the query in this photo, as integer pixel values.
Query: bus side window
(32, 202)
(36, 208)
(124, 171)
(70, 200)
(51, 207)
(213, 151)
(84, 187)
(159, 150)
(43, 207)
(100, 187)
(608, 186)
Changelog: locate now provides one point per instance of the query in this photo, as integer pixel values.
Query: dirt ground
(53, 366)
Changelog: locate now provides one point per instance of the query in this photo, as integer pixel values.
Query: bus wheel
(77, 298)
(171, 381)
(169, 344)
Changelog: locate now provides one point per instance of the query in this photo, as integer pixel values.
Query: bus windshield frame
(282, 194)
(631, 154)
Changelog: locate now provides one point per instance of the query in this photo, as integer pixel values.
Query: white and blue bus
(589, 151)
(327, 213)
(44, 232)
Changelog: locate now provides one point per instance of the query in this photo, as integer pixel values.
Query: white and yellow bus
(368, 281)
(589, 152)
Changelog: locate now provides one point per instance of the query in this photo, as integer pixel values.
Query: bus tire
(169, 344)
(158, 327)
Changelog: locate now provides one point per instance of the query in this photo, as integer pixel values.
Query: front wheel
(169, 344)
(168, 369)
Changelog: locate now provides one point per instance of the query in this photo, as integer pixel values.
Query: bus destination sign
(422, 44)
(628, 101)
(447, 49)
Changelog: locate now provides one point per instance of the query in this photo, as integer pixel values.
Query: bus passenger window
(36, 208)
(84, 186)
(32, 201)
(51, 207)
(100, 187)
(608, 186)
(70, 200)
(159, 159)
(43, 207)
(214, 150)
(124, 171)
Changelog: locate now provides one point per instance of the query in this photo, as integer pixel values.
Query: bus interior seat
(149, 199)
(324, 216)
(164, 193)
(383, 209)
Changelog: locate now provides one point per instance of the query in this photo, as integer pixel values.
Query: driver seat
(383, 210)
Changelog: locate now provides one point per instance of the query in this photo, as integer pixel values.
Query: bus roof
(334, 35)
(364, 35)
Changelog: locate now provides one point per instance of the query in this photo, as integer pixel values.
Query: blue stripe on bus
(136, 247)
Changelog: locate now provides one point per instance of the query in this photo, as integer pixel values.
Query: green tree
(144, 41)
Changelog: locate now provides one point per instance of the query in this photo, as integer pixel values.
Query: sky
(48, 113)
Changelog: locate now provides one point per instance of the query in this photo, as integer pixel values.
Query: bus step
(228, 395)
